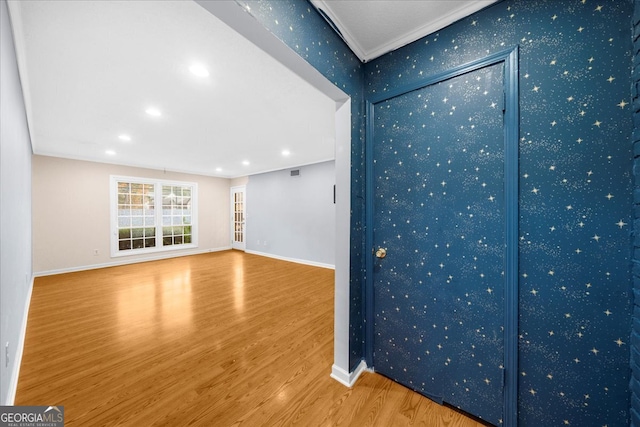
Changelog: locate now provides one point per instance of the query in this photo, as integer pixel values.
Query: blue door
(439, 239)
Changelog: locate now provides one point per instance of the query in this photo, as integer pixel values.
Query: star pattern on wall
(575, 194)
(440, 291)
(575, 185)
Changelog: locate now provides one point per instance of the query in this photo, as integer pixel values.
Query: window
(176, 215)
(152, 215)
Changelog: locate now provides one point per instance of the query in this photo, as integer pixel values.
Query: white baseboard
(296, 260)
(348, 378)
(124, 261)
(15, 372)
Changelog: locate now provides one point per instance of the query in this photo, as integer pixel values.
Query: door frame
(232, 191)
(509, 58)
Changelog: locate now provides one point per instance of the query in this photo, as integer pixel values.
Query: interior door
(238, 222)
(439, 239)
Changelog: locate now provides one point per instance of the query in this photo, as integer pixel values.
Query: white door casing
(238, 220)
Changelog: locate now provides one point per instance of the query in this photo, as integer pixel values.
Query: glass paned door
(238, 222)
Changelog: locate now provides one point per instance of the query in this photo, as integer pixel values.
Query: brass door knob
(381, 253)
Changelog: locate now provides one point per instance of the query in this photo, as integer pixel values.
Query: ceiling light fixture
(153, 112)
(286, 153)
(110, 152)
(199, 70)
(245, 162)
(218, 169)
(124, 137)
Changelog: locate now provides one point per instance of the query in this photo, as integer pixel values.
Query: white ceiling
(373, 28)
(91, 68)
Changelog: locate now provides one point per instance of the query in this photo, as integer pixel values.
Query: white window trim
(158, 183)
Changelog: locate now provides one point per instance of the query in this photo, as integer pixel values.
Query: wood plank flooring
(220, 339)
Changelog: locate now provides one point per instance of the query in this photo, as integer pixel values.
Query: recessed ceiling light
(124, 137)
(153, 112)
(199, 70)
(286, 153)
(218, 169)
(110, 152)
(245, 162)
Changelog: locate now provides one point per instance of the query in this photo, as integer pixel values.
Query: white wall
(293, 217)
(15, 213)
(236, 182)
(71, 213)
(245, 24)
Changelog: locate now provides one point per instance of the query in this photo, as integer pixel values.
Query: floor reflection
(159, 304)
(238, 285)
(176, 300)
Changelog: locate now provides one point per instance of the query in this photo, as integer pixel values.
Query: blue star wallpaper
(575, 193)
(575, 177)
(635, 335)
(439, 212)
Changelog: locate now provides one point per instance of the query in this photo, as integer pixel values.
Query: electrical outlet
(6, 354)
(96, 252)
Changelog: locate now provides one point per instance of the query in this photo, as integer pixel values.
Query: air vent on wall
(295, 172)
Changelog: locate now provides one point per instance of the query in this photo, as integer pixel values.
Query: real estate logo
(31, 416)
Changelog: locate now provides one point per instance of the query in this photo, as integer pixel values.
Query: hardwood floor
(220, 339)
